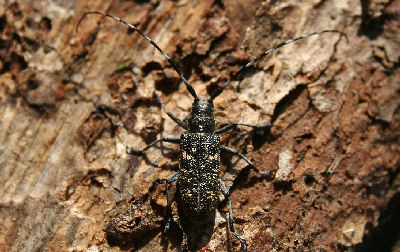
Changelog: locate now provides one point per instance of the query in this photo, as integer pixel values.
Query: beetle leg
(168, 181)
(225, 192)
(135, 151)
(184, 244)
(227, 149)
(172, 116)
(234, 125)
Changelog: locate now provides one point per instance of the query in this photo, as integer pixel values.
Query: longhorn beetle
(198, 181)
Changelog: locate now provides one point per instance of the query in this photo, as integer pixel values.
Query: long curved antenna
(171, 62)
(259, 57)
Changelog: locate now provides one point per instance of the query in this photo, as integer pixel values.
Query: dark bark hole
(3, 23)
(151, 66)
(283, 186)
(33, 84)
(309, 180)
(137, 221)
(168, 85)
(16, 64)
(260, 137)
(45, 23)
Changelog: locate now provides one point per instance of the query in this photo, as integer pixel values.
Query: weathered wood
(72, 101)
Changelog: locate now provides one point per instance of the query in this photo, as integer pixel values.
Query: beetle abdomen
(198, 181)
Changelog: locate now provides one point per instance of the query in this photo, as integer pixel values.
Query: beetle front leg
(172, 116)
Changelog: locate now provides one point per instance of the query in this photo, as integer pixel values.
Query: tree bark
(72, 101)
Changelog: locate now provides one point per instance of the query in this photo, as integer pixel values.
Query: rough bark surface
(72, 101)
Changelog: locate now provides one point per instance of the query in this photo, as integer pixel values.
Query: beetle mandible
(198, 182)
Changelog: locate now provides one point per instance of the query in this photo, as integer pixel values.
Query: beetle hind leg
(225, 192)
(168, 181)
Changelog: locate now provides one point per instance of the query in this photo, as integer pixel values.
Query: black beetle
(198, 181)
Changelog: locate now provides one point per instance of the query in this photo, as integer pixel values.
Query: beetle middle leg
(235, 152)
(135, 151)
(234, 125)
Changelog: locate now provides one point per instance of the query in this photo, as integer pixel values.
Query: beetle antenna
(259, 57)
(171, 62)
